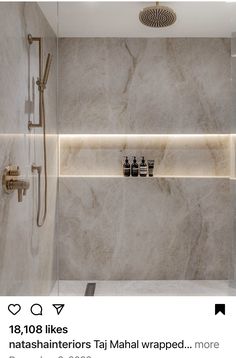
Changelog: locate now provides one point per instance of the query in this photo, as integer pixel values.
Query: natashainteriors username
(99, 344)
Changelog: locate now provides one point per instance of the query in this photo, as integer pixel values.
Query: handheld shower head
(47, 69)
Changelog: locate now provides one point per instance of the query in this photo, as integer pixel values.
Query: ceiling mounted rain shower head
(157, 16)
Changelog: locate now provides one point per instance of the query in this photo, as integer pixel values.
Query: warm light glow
(139, 135)
(91, 176)
(147, 177)
(19, 135)
(64, 137)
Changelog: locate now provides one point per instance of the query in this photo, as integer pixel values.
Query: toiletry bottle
(126, 167)
(143, 170)
(134, 168)
(150, 167)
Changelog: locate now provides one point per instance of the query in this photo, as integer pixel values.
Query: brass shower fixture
(42, 80)
(11, 182)
(41, 83)
(157, 16)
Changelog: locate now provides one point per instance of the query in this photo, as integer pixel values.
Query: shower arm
(31, 40)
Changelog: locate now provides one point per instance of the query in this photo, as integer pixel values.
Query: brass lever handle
(10, 182)
(14, 170)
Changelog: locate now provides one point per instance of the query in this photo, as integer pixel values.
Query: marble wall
(27, 253)
(112, 85)
(145, 228)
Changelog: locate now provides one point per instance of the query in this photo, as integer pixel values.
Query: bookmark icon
(220, 308)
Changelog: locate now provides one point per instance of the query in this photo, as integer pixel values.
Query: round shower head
(157, 16)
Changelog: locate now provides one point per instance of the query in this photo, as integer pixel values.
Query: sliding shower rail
(31, 40)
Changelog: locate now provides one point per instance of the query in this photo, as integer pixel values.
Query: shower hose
(41, 222)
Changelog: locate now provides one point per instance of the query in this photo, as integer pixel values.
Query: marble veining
(157, 229)
(148, 229)
(27, 254)
(112, 85)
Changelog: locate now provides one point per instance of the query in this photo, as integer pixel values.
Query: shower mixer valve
(11, 182)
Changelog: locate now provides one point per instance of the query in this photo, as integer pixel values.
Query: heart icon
(14, 309)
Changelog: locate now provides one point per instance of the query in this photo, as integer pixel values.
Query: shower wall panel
(151, 228)
(27, 253)
(144, 85)
(148, 229)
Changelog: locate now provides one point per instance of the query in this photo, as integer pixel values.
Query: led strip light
(126, 136)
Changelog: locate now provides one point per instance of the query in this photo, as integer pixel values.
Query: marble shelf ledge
(154, 177)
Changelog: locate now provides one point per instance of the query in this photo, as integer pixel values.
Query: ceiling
(120, 19)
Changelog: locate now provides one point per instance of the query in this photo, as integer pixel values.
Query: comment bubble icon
(36, 309)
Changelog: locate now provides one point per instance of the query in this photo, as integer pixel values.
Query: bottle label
(135, 171)
(143, 170)
(126, 171)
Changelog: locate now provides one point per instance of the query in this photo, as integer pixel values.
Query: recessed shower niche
(179, 155)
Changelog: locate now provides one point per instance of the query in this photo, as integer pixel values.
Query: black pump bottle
(143, 170)
(126, 167)
(134, 168)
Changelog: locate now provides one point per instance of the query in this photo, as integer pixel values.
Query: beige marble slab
(113, 85)
(27, 253)
(145, 229)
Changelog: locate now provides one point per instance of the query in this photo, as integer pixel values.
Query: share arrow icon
(58, 307)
